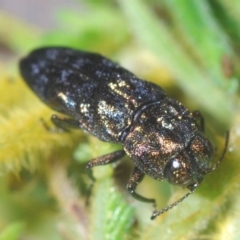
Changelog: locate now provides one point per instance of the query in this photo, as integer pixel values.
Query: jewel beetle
(160, 135)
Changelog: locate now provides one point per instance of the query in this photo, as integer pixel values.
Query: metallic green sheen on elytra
(159, 134)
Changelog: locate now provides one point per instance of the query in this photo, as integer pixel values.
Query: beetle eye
(177, 173)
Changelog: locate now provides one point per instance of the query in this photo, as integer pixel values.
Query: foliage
(190, 48)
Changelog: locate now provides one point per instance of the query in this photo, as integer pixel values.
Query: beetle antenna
(157, 213)
(223, 155)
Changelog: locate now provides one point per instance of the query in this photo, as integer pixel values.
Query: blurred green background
(190, 48)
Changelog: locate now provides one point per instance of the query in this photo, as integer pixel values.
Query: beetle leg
(136, 178)
(103, 160)
(197, 115)
(63, 124)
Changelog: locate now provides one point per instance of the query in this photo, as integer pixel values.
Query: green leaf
(206, 39)
(12, 231)
(111, 215)
(155, 36)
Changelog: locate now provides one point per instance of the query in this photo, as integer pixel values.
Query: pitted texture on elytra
(98, 87)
